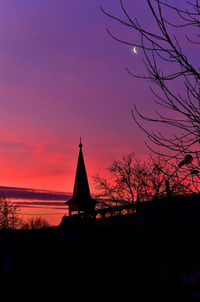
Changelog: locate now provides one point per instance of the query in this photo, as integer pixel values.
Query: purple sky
(62, 77)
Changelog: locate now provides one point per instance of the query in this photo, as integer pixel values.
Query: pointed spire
(81, 186)
(81, 199)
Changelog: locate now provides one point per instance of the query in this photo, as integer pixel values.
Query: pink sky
(62, 77)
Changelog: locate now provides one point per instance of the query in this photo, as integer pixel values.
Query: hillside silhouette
(144, 252)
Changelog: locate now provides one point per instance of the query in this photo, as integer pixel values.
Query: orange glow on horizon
(51, 165)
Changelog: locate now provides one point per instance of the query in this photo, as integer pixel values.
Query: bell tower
(81, 202)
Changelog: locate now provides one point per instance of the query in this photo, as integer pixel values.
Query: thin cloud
(32, 194)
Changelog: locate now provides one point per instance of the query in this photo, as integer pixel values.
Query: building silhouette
(81, 203)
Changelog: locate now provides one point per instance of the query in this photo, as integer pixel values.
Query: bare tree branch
(165, 47)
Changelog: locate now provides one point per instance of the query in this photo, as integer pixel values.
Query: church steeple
(81, 200)
(81, 186)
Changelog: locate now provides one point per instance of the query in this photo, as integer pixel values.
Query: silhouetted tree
(165, 43)
(9, 219)
(131, 180)
(36, 223)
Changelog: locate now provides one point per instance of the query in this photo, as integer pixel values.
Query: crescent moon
(135, 50)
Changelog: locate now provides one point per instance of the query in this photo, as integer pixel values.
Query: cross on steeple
(80, 145)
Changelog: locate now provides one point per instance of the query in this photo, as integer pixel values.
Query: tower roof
(81, 199)
(81, 186)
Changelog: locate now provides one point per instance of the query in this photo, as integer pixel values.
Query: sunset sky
(62, 77)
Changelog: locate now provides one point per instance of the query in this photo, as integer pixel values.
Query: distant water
(38, 203)
(50, 210)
